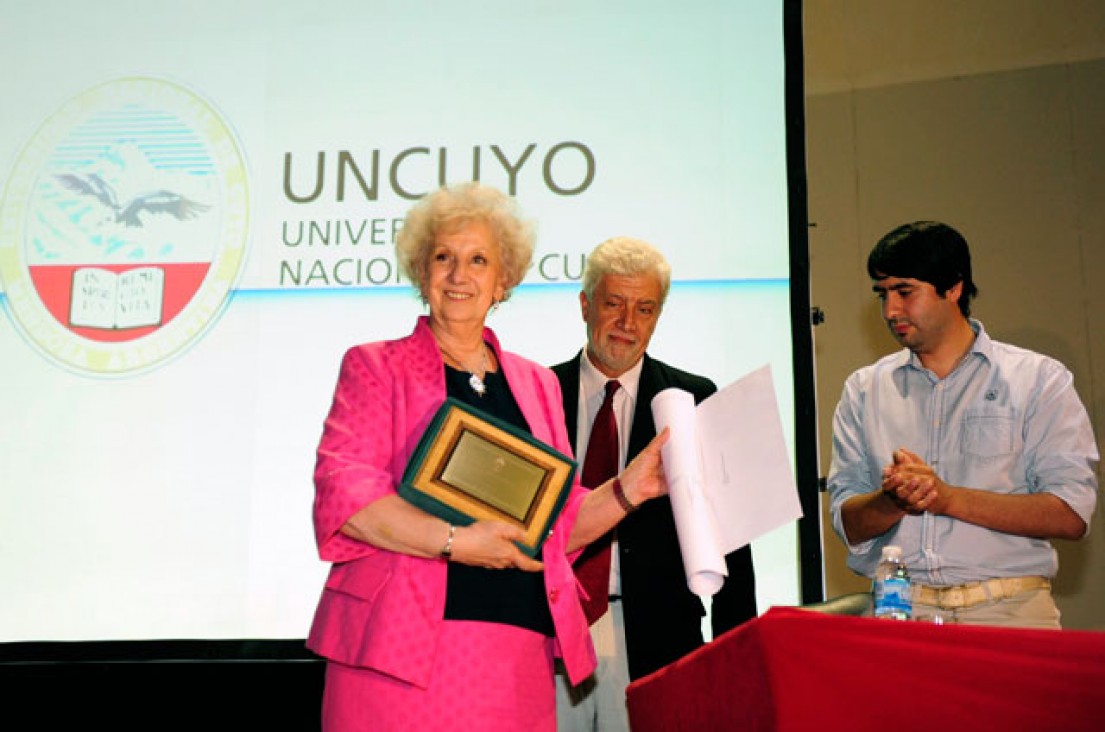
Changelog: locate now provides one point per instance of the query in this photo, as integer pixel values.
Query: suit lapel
(644, 428)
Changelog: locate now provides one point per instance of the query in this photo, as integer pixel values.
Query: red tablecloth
(795, 670)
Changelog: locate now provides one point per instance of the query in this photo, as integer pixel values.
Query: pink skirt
(487, 676)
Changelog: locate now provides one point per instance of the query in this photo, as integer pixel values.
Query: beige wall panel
(836, 260)
(1088, 153)
(1081, 581)
(855, 44)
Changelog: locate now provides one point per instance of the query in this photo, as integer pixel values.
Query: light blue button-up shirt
(1006, 420)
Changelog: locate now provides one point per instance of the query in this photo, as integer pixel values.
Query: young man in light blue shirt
(968, 453)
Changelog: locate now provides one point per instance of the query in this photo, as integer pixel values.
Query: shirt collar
(982, 345)
(593, 381)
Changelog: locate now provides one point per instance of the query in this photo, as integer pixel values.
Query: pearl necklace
(475, 381)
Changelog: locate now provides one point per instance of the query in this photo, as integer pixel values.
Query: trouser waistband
(975, 593)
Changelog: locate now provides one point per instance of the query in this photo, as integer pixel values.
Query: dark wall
(115, 690)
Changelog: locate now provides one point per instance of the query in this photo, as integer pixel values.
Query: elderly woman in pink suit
(426, 625)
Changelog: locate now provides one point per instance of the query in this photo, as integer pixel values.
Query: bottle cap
(891, 551)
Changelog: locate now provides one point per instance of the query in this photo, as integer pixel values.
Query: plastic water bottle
(893, 593)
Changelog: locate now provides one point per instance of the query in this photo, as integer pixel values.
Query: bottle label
(893, 598)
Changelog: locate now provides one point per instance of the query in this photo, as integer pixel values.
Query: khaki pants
(1029, 609)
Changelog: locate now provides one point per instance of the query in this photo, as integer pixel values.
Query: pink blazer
(381, 609)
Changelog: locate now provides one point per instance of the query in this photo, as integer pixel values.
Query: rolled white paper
(703, 560)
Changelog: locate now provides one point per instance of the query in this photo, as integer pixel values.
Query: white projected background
(162, 488)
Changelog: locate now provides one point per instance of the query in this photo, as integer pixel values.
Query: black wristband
(623, 500)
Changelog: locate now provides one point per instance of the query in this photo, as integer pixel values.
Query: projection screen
(198, 211)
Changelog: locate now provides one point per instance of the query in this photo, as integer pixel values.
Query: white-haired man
(652, 618)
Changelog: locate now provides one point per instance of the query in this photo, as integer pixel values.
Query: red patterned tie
(599, 465)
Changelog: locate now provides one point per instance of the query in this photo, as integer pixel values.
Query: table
(794, 670)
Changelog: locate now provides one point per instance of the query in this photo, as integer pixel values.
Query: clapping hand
(912, 484)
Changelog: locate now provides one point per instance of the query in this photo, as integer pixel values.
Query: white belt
(976, 593)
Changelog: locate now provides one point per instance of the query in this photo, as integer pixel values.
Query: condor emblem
(123, 227)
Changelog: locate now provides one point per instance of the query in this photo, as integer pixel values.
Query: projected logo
(123, 227)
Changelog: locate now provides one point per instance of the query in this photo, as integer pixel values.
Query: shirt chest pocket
(990, 433)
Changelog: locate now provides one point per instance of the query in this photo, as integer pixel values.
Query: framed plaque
(470, 466)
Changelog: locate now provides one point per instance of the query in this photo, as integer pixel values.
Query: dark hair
(928, 251)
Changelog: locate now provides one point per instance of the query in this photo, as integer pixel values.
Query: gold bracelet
(447, 550)
(623, 500)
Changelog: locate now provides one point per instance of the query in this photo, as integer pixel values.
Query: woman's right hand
(491, 544)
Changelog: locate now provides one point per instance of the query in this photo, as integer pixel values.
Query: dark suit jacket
(662, 616)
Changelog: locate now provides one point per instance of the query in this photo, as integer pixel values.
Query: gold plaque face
(467, 466)
(489, 473)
